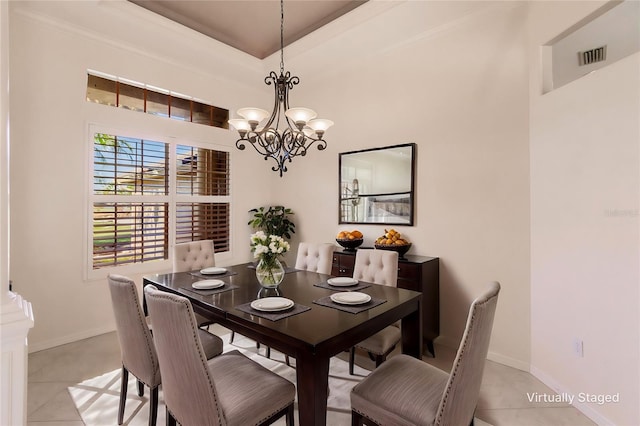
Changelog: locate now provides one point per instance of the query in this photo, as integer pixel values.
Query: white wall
(584, 225)
(459, 91)
(4, 153)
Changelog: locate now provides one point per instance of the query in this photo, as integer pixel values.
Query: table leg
(412, 334)
(312, 374)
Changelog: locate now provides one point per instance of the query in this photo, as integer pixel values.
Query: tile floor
(503, 396)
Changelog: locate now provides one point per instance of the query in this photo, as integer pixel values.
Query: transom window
(135, 96)
(150, 194)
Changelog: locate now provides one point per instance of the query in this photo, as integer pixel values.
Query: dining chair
(137, 347)
(315, 257)
(230, 389)
(407, 391)
(194, 256)
(379, 267)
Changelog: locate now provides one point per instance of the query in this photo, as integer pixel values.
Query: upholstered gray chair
(196, 255)
(193, 256)
(227, 390)
(137, 347)
(379, 267)
(407, 391)
(315, 257)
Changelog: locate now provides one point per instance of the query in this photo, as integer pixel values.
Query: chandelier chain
(281, 36)
(301, 129)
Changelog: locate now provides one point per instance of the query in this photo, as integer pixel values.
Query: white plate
(272, 304)
(214, 270)
(207, 284)
(350, 298)
(342, 281)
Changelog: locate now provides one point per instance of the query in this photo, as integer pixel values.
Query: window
(149, 194)
(109, 90)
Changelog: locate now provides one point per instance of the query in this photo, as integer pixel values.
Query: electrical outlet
(578, 347)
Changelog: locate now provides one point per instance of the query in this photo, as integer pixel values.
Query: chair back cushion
(187, 385)
(193, 255)
(315, 257)
(136, 343)
(376, 266)
(463, 387)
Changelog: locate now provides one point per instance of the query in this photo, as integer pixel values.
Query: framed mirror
(377, 185)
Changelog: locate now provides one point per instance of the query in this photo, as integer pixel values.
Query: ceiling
(252, 26)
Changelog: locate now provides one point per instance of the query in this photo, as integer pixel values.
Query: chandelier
(276, 139)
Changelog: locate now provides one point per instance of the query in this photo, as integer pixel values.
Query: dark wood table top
(313, 336)
(313, 327)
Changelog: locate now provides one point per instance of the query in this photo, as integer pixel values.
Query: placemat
(353, 309)
(359, 286)
(208, 292)
(273, 316)
(212, 276)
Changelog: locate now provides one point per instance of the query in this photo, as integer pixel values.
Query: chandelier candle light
(301, 127)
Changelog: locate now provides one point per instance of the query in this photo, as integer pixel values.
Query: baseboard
(491, 356)
(70, 338)
(585, 409)
(508, 361)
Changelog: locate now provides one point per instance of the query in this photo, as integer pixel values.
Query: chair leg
(352, 358)
(268, 354)
(233, 334)
(140, 389)
(171, 421)
(153, 406)
(289, 419)
(379, 359)
(430, 348)
(356, 419)
(123, 393)
(286, 359)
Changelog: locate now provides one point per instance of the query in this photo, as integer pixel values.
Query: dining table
(312, 330)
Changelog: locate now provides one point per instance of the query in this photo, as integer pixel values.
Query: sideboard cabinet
(418, 273)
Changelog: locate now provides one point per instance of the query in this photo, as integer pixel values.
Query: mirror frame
(411, 192)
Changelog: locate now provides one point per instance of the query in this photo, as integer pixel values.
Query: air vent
(592, 56)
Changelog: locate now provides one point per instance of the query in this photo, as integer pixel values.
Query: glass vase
(269, 273)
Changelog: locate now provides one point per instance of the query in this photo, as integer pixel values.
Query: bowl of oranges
(350, 240)
(393, 240)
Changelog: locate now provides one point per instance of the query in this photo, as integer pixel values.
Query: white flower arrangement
(268, 247)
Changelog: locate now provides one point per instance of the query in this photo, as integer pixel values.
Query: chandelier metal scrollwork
(301, 127)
